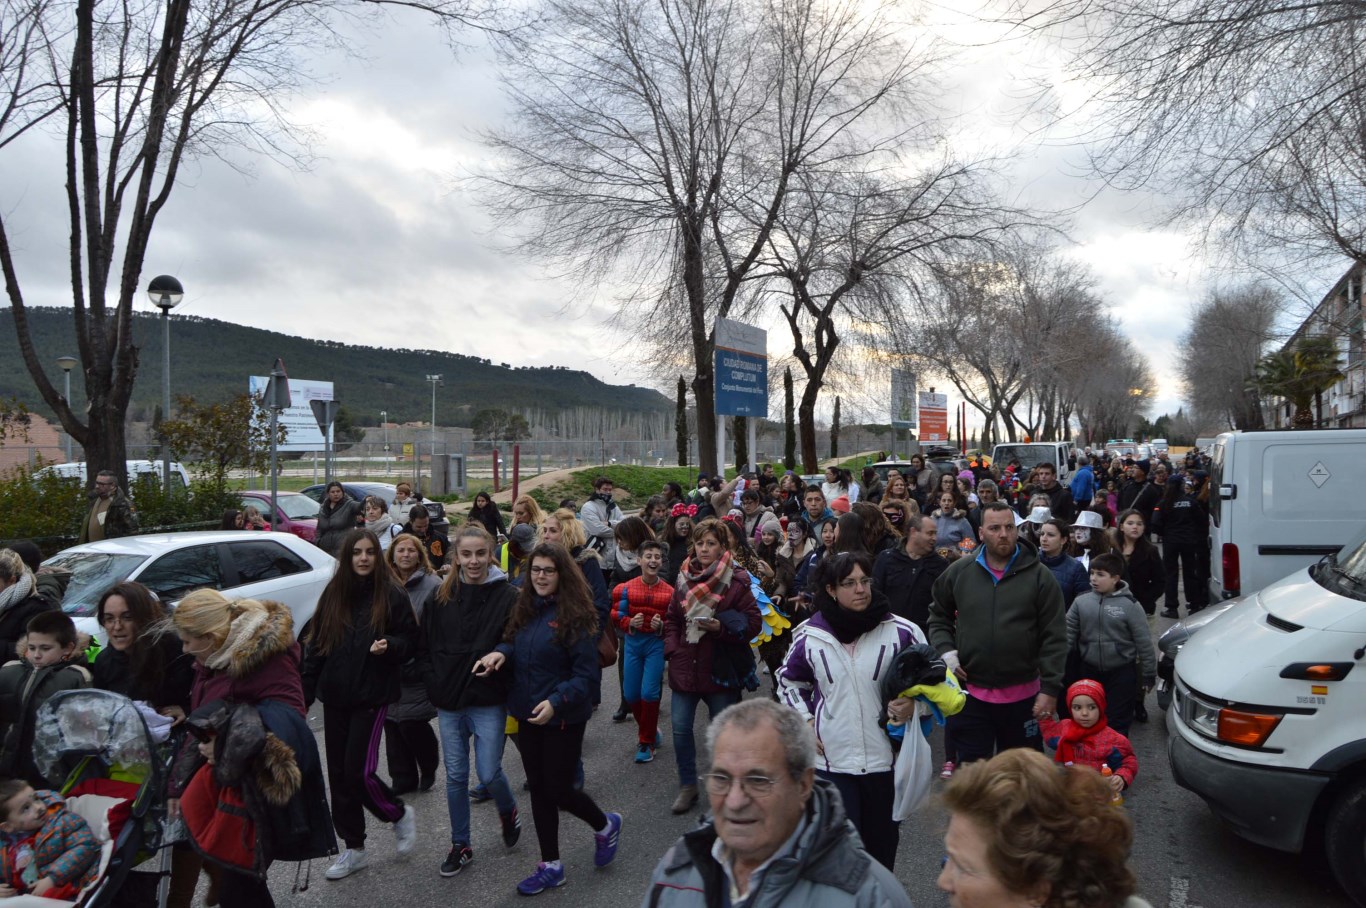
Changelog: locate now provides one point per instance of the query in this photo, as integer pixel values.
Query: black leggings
(242, 890)
(550, 754)
(868, 803)
(411, 749)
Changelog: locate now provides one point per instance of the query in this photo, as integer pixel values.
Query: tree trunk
(681, 422)
(806, 413)
(789, 423)
(740, 429)
(835, 431)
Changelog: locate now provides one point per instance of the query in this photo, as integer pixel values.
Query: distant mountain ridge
(211, 360)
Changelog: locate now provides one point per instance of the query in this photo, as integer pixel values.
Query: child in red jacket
(1086, 739)
(45, 849)
(638, 608)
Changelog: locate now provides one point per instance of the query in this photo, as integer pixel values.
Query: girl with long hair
(878, 533)
(361, 634)
(550, 649)
(526, 510)
(677, 539)
(484, 512)
(337, 517)
(848, 534)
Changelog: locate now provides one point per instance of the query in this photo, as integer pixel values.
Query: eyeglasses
(755, 786)
(109, 620)
(543, 570)
(856, 583)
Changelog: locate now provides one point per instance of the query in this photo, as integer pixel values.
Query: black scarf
(848, 626)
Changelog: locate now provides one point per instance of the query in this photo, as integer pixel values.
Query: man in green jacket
(999, 621)
(111, 515)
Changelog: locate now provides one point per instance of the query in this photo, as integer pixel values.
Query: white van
(1032, 453)
(1268, 723)
(1281, 500)
(139, 471)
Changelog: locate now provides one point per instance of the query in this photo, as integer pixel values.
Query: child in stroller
(48, 850)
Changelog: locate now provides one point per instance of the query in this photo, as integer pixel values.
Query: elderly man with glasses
(111, 516)
(778, 834)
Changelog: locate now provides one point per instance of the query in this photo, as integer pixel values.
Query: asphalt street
(1182, 856)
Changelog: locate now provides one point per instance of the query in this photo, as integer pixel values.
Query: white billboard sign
(303, 433)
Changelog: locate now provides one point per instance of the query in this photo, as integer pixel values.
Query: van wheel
(1344, 840)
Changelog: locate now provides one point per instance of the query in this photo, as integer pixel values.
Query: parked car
(278, 566)
(1159, 445)
(139, 471)
(1177, 636)
(1267, 723)
(1279, 501)
(298, 513)
(358, 490)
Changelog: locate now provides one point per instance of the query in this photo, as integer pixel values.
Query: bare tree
(1247, 112)
(1228, 334)
(657, 141)
(135, 89)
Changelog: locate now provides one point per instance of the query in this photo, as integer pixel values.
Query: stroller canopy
(78, 724)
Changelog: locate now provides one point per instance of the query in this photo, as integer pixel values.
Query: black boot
(1140, 710)
(623, 712)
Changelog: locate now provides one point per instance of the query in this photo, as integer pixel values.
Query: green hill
(211, 360)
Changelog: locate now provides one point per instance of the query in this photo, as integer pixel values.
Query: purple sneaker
(544, 878)
(606, 842)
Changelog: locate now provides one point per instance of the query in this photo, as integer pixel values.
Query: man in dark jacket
(1140, 494)
(777, 834)
(1059, 496)
(461, 621)
(906, 574)
(999, 622)
(111, 516)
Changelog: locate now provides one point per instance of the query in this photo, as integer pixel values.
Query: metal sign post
(325, 412)
(276, 399)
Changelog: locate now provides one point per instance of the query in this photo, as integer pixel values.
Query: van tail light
(1317, 671)
(1246, 729)
(1233, 581)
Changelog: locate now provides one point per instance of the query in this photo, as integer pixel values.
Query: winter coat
(1110, 631)
(598, 518)
(872, 491)
(335, 523)
(23, 689)
(64, 847)
(1072, 577)
(1183, 521)
(908, 583)
(827, 868)
(1143, 497)
(15, 617)
(456, 634)
(691, 664)
(413, 703)
(438, 546)
(1060, 502)
(1008, 631)
(112, 671)
(350, 676)
(490, 518)
(762, 519)
(119, 519)
(258, 661)
(1083, 485)
(1106, 747)
(951, 528)
(1146, 576)
(542, 668)
(51, 584)
(822, 680)
(678, 553)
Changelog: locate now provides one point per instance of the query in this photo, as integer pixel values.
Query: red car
(298, 513)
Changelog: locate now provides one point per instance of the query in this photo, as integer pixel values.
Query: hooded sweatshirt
(1111, 631)
(456, 633)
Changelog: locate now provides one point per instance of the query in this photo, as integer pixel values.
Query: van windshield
(1345, 572)
(1028, 455)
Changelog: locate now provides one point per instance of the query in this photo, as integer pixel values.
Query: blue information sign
(741, 369)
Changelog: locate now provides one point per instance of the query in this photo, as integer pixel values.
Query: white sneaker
(347, 863)
(405, 831)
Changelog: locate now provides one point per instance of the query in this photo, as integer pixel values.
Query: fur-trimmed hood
(254, 638)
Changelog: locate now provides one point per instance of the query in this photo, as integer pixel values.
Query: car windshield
(1349, 565)
(298, 507)
(92, 574)
(1027, 455)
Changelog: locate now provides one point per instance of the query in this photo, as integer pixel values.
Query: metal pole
(66, 393)
(166, 393)
(721, 446)
(753, 423)
(274, 475)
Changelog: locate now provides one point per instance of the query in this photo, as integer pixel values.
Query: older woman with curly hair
(1026, 832)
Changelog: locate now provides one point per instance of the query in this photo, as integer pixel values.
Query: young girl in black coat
(362, 633)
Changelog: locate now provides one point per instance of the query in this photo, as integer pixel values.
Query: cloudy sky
(377, 243)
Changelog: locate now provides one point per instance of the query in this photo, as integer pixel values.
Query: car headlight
(1225, 724)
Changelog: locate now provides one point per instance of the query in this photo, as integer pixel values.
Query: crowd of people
(1019, 591)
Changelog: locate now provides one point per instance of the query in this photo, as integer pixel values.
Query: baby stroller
(95, 748)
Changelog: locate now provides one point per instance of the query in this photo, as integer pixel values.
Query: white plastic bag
(914, 771)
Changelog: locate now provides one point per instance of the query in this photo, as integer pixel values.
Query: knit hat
(1087, 688)
(1143, 465)
(522, 536)
(840, 505)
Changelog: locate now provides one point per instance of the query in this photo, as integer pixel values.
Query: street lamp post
(165, 293)
(66, 364)
(384, 421)
(435, 380)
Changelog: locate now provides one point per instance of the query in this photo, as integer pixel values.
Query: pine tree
(681, 422)
(789, 423)
(835, 431)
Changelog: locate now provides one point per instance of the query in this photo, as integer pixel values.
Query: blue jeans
(683, 712)
(642, 659)
(486, 724)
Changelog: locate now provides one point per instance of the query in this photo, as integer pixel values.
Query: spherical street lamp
(165, 293)
(66, 364)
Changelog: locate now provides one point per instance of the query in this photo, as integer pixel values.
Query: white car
(242, 564)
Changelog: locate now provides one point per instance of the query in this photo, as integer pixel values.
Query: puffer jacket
(827, 868)
(908, 582)
(259, 660)
(1006, 632)
(951, 528)
(822, 680)
(690, 664)
(1106, 747)
(335, 523)
(1072, 577)
(1109, 631)
(350, 676)
(544, 669)
(455, 634)
(23, 689)
(64, 848)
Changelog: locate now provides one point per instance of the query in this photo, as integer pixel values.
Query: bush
(45, 508)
